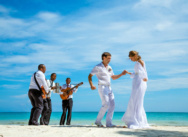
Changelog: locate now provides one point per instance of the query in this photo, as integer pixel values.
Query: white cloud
(17, 59)
(4, 10)
(48, 16)
(14, 28)
(23, 96)
(10, 86)
(164, 25)
(175, 71)
(154, 3)
(14, 80)
(167, 83)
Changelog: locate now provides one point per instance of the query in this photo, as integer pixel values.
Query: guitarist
(67, 104)
(50, 83)
(47, 110)
(35, 94)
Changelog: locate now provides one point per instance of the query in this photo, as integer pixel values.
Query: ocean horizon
(88, 118)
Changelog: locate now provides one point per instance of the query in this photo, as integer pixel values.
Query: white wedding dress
(135, 116)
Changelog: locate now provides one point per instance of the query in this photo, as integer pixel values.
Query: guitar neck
(74, 87)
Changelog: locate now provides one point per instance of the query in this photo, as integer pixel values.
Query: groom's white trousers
(107, 98)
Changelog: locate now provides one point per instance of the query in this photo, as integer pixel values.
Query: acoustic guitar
(68, 91)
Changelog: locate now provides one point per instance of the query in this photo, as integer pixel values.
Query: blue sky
(70, 36)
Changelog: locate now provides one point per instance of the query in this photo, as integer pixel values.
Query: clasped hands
(125, 71)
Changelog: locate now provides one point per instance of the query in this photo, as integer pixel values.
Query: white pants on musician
(107, 98)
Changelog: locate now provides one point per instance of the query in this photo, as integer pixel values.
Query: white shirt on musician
(103, 74)
(50, 84)
(40, 77)
(64, 86)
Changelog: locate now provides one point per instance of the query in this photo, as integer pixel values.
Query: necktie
(51, 83)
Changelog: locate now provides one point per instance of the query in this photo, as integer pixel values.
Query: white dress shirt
(64, 86)
(40, 77)
(50, 84)
(103, 74)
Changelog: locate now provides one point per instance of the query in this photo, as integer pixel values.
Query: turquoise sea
(88, 118)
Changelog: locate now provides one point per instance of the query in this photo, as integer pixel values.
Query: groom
(104, 74)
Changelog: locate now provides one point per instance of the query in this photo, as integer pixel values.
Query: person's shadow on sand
(153, 133)
(138, 132)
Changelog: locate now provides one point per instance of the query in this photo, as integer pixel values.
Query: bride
(135, 116)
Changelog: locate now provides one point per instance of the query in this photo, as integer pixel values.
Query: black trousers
(49, 112)
(46, 112)
(35, 97)
(66, 105)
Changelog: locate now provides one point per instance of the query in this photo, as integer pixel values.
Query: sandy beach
(90, 131)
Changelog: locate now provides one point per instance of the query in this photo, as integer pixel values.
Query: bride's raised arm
(142, 71)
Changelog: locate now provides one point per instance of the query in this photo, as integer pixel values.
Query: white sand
(90, 131)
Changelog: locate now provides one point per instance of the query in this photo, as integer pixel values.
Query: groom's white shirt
(103, 74)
